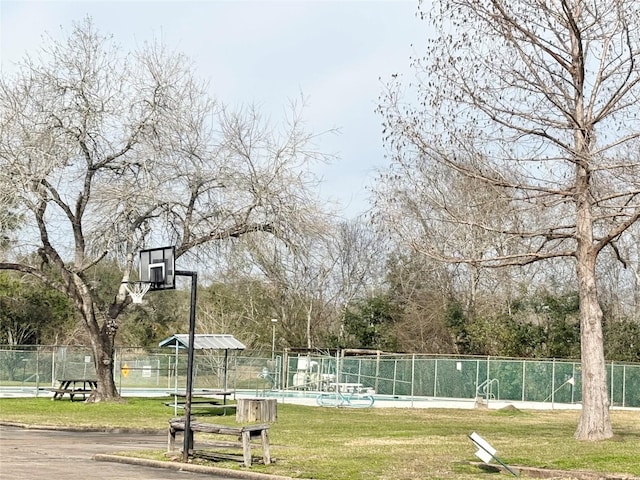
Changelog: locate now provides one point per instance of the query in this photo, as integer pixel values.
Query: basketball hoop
(137, 290)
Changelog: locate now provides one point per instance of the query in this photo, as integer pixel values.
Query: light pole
(273, 338)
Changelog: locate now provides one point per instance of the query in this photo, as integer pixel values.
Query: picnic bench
(347, 387)
(202, 398)
(245, 434)
(73, 387)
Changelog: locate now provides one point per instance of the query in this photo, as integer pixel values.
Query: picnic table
(73, 387)
(347, 387)
(202, 398)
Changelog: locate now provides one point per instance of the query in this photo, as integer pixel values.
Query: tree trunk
(102, 345)
(594, 422)
(103, 354)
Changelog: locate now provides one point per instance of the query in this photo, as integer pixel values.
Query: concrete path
(28, 454)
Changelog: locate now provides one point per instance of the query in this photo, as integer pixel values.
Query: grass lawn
(378, 443)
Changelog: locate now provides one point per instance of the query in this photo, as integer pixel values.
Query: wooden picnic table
(203, 399)
(204, 396)
(73, 387)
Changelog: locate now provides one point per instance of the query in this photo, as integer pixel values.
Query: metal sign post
(486, 452)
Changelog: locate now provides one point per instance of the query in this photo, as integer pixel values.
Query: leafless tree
(105, 154)
(299, 275)
(314, 280)
(537, 101)
(356, 256)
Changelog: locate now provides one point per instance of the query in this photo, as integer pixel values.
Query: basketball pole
(188, 437)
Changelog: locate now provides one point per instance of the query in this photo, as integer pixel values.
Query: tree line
(389, 318)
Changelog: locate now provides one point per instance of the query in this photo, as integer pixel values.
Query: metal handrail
(487, 388)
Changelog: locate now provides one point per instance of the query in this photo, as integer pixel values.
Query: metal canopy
(204, 342)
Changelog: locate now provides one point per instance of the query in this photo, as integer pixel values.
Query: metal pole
(435, 377)
(190, 357)
(175, 382)
(624, 384)
(273, 338)
(611, 383)
(226, 360)
(395, 375)
(524, 378)
(377, 386)
(38, 374)
(553, 382)
(488, 379)
(413, 376)
(573, 375)
(53, 367)
(477, 377)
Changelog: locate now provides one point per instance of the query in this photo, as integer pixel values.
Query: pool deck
(309, 398)
(389, 401)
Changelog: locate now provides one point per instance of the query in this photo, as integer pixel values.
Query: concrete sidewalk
(31, 453)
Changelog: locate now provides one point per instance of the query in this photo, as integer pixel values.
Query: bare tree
(314, 280)
(359, 255)
(109, 153)
(537, 100)
(299, 275)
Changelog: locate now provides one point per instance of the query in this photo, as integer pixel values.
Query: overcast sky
(265, 52)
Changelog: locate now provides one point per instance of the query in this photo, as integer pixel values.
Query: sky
(336, 54)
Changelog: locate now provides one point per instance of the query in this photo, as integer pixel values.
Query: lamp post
(273, 338)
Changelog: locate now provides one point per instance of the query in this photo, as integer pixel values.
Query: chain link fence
(556, 381)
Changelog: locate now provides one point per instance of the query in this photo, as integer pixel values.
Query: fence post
(611, 394)
(376, 387)
(477, 378)
(624, 384)
(413, 377)
(488, 376)
(37, 372)
(524, 377)
(53, 367)
(553, 382)
(117, 360)
(395, 374)
(283, 383)
(573, 375)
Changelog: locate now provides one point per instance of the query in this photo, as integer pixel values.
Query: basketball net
(137, 290)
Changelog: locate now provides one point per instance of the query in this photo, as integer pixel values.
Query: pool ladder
(485, 389)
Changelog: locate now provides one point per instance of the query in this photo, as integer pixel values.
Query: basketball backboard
(157, 267)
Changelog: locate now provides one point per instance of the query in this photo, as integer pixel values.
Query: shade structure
(203, 341)
(206, 341)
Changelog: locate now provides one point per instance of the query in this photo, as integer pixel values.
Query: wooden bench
(246, 434)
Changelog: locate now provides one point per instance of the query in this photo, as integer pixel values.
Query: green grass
(384, 444)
